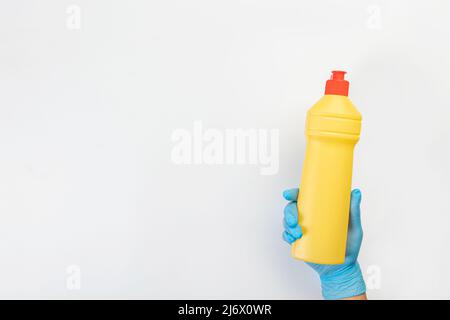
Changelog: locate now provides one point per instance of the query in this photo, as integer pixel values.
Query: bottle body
(332, 131)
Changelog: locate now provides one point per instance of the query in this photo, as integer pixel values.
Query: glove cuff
(345, 283)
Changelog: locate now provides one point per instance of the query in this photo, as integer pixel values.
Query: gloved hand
(338, 281)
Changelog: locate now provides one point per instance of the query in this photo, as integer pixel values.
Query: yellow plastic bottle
(332, 130)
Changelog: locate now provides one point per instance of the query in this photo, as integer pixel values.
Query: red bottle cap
(337, 84)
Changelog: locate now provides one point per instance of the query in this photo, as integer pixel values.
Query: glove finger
(291, 194)
(355, 210)
(288, 238)
(296, 231)
(291, 214)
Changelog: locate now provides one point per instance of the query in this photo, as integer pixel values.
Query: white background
(86, 118)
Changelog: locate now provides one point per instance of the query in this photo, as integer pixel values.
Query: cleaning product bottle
(332, 130)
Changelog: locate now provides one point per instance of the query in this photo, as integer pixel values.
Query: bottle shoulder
(335, 106)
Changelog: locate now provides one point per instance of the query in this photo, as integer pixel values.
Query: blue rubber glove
(338, 281)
